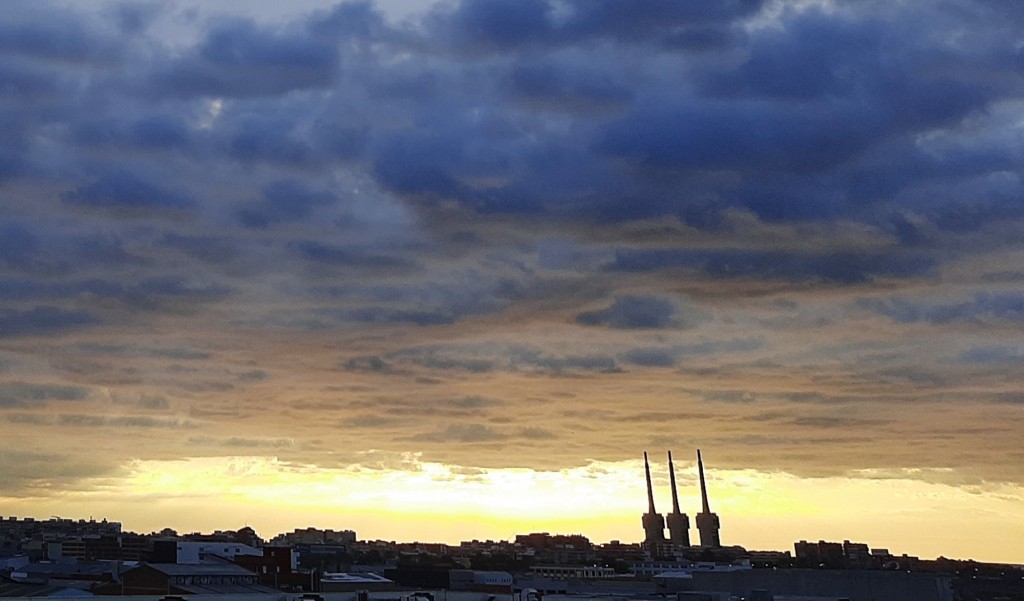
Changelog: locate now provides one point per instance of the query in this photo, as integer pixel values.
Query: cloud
(245, 443)
(181, 354)
(366, 363)
(564, 198)
(41, 320)
(373, 421)
(80, 420)
(239, 59)
(838, 422)
(282, 201)
(993, 355)
(483, 358)
(30, 473)
(985, 307)
(155, 402)
(833, 267)
(128, 193)
(636, 312)
(26, 394)
(473, 402)
(462, 433)
(652, 357)
(254, 375)
(535, 433)
(208, 249)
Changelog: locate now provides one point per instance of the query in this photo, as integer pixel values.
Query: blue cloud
(17, 245)
(993, 354)
(834, 267)
(41, 320)
(633, 312)
(26, 394)
(127, 191)
(283, 200)
(985, 307)
(239, 59)
(652, 357)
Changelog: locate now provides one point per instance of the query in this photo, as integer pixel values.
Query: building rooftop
(201, 569)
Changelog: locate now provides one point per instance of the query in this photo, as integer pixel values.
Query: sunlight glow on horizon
(429, 501)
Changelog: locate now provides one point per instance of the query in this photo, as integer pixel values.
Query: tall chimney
(703, 487)
(650, 489)
(707, 522)
(672, 479)
(654, 523)
(678, 522)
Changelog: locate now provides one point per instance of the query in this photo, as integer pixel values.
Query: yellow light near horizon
(415, 500)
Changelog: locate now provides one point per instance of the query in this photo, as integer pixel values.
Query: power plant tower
(654, 523)
(678, 523)
(707, 522)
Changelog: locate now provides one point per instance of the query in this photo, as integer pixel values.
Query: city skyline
(700, 539)
(449, 267)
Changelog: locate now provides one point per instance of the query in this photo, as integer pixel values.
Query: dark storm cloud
(804, 119)
(240, 59)
(507, 25)
(128, 193)
(52, 38)
(152, 133)
(567, 87)
(284, 200)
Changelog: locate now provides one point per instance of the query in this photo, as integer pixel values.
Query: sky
(444, 271)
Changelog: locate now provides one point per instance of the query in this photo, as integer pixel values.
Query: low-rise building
(188, 579)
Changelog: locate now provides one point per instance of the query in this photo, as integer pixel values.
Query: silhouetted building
(654, 523)
(678, 523)
(560, 549)
(835, 556)
(707, 522)
(857, 556)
